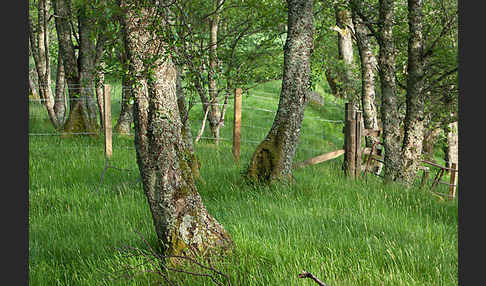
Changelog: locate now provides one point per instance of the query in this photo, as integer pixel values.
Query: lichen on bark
(273, 157)
(181, 221)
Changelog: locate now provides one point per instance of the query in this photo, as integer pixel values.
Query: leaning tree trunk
(414, 117)
(39, 43)
(32, 90)
(33, 94)
(182, 223)
(389, 104)
(273, 157)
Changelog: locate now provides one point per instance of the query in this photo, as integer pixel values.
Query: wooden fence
(354, 166)
(354, 131)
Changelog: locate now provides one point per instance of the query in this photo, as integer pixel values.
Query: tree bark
(124, 122)
(414, 117)
(345, 45)
(452, 155)
(186, 126)
(182, 223)
(79, 70)
(99, 92)
(368, 68)
(214, 113)
(40, 53)
(389, 106)
(60, 99)
(273, 157)
(32, 76)
(32, 90)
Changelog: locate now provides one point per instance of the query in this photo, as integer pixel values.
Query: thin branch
(213, 12)
(306, 274)
(365, 20)
(202, 125)
(445, 29)
(440, 78)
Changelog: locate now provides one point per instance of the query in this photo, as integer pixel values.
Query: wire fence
(321, 129)
(318, 131)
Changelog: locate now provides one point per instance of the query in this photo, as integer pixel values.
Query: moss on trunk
(166, 162)
(274, 156)
(265, 165)
(79, 121)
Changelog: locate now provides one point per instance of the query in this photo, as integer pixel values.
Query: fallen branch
(320, 158)
(306, 274)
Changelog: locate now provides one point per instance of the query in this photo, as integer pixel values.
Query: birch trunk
(60, 99)
(79, 70)
(214, 113)
(452, 145)
(33, 94)
(368, 68)
(414, 117)
(345, 45)
(39, 42)
(125, 119)
(389, 106)
(124, 122)
(273, 157)
(182, 223)
(32, 90)
(186, 126)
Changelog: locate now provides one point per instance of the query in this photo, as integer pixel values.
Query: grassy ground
(345, 232)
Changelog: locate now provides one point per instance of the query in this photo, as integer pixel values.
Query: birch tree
(414, 117)
(79, 66)
(39, 41)
(273, 157)
(389, 100)
(182, 222)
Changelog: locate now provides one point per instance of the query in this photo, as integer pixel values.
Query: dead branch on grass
(305, 274)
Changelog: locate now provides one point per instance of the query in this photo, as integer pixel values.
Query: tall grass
(346, 232)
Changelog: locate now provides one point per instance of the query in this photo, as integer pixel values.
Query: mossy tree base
(266, 164)
(80, 121)
(123, 127)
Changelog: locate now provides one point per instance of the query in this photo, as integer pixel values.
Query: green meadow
(346, 232)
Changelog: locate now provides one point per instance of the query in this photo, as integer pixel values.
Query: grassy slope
(345, 232)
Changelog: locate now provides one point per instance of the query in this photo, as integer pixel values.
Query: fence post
(237, 125)
(107, 122)
(350, 141)
(425, 177)
(453, 182)
(359, 132)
